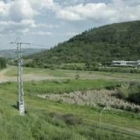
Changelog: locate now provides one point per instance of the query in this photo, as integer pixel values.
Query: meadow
(71, 74)
(48, 119)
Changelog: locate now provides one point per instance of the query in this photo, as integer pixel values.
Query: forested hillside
(119, 41)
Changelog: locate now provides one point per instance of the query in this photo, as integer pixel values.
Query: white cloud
(40, 5)
(11, 27)
(24, 27)
(21, 9)
(17, 10)
(40, 25)
(40, 33)
(4, 8)
(83, 12)
(25, 23)
(68, 15)
(116, 11)
(70, 34)
(40, 17)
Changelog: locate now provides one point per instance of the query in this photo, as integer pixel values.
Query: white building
(126, 63)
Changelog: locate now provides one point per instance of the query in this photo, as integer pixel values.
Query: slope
(111, 42)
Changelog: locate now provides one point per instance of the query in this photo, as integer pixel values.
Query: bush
(2, 63)
(123, 91)
(130, 92)
(67, 81)
(69, 119)
(77, 76)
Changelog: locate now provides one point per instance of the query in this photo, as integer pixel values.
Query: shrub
(71, 119)
(77, 76)
(123, 91)
(67, 81)
(58, 81)
(2, 63)
(130, 92)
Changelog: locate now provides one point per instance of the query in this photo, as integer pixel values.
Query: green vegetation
(71, 74)
(75, 104)
(53, 120)
(2, 63)
(12, 71)
(74, 113)
(130, 92)
(62, 86)
(92, 47)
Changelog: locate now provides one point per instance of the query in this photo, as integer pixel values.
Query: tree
(2, 63)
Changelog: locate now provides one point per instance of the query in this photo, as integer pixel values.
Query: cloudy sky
(48, 22)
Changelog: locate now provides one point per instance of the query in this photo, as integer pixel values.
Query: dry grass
(93, 98)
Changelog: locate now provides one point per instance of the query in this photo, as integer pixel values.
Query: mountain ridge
(118, 41)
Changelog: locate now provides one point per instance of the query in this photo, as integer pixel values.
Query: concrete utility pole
(20, 98)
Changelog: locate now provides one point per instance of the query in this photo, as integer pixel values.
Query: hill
(11, 53)
(118, 41)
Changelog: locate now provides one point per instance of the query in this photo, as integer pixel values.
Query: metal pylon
(20, 98)
(20, 93)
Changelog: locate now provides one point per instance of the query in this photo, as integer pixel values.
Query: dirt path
(26, 77)
(4, 78)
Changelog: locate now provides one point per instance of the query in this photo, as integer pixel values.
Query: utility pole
(20, 92)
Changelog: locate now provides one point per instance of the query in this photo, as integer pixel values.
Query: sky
(45, 23)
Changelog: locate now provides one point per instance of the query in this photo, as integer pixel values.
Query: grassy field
(71, 74)
(61, 86)
(53, 120)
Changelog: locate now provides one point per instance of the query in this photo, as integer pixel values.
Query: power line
(20, 98)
